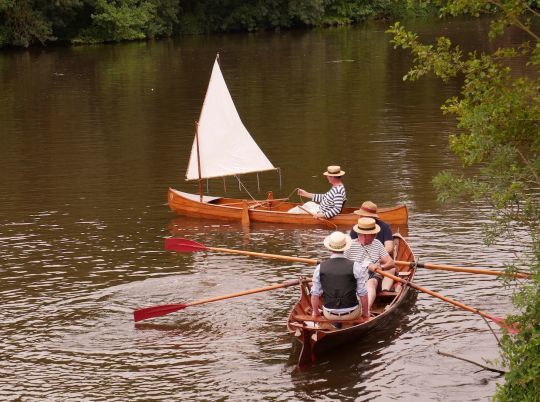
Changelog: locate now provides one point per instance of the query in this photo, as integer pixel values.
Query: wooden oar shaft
(434, 294)
(158, 311)
(185, 245)
(245, 292)
(461, 269)
(265, 255)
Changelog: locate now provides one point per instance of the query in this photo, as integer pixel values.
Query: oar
(325, 221)
(185, 245)
(461, 269)
(499, 321)
(190, 246)
(157, 311)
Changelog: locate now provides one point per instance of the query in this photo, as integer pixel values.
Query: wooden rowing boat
(224, 147)
(318, 336)
(269, 210)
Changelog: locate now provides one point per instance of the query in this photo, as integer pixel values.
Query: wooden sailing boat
(223, 147)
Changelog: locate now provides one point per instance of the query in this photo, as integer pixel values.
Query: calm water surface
(92, 137)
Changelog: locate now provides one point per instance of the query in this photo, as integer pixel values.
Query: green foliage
(522, 352)
(498, 142)
(165, 18)
(22, 23)
(27, 22)
(119, 20)
(342, 12)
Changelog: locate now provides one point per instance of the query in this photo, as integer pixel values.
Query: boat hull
(317, 341)
(268, 211)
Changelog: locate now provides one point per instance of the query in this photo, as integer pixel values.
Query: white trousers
(311, 206)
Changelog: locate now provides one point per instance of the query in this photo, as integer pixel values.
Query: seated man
(369, 210)
(338, 283)
(325, 205)
(370, 251)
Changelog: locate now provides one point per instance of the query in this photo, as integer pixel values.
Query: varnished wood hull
(318, 341)
(269, 211)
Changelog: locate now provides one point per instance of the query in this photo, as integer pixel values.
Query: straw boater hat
(367, 226)
(368, 208)
(334, 171)
(337, 241)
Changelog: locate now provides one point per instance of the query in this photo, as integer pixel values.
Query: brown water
(92, 137)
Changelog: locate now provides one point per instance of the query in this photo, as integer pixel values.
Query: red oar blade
(183, 245)
(512, 328)
(157, 311)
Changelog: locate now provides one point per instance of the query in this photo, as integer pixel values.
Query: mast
(198, 160)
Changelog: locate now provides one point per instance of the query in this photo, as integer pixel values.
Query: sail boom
(232, 174)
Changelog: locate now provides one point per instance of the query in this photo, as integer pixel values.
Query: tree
(22, 23)
(498, 142)
(119, 20)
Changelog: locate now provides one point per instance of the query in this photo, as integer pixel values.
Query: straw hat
(334, 171)
(368, 208)
(337, 241)
(367, 226)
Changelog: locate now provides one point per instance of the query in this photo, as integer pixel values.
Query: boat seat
(306, 317)
(387, 293)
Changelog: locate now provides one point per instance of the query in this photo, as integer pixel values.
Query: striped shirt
(372, 252)
(332, 201)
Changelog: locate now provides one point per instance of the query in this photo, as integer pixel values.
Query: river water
(92, 137)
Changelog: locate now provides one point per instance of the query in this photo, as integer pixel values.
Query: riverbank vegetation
(498, 135)
(29, 22)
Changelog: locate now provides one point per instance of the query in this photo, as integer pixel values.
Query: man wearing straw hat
(325, 205)
(339, 283)
(369, 210)
(370, 252)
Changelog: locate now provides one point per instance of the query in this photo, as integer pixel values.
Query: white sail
(225, 146)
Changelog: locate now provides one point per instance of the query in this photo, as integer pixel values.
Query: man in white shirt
(339, 283)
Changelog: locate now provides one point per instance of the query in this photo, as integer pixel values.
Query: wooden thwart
(307, 317)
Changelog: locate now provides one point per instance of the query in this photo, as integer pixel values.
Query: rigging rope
(240, 185)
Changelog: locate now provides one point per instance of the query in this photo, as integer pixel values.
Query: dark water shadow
(369, 347)
(348, 370)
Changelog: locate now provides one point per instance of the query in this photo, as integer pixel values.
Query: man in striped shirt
(368, 250)
(369, 210)
(329, 204)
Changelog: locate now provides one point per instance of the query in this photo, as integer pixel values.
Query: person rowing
(370, 251)
(325, 205)
(369, 210)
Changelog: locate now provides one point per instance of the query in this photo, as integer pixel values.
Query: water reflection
(88, 152)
